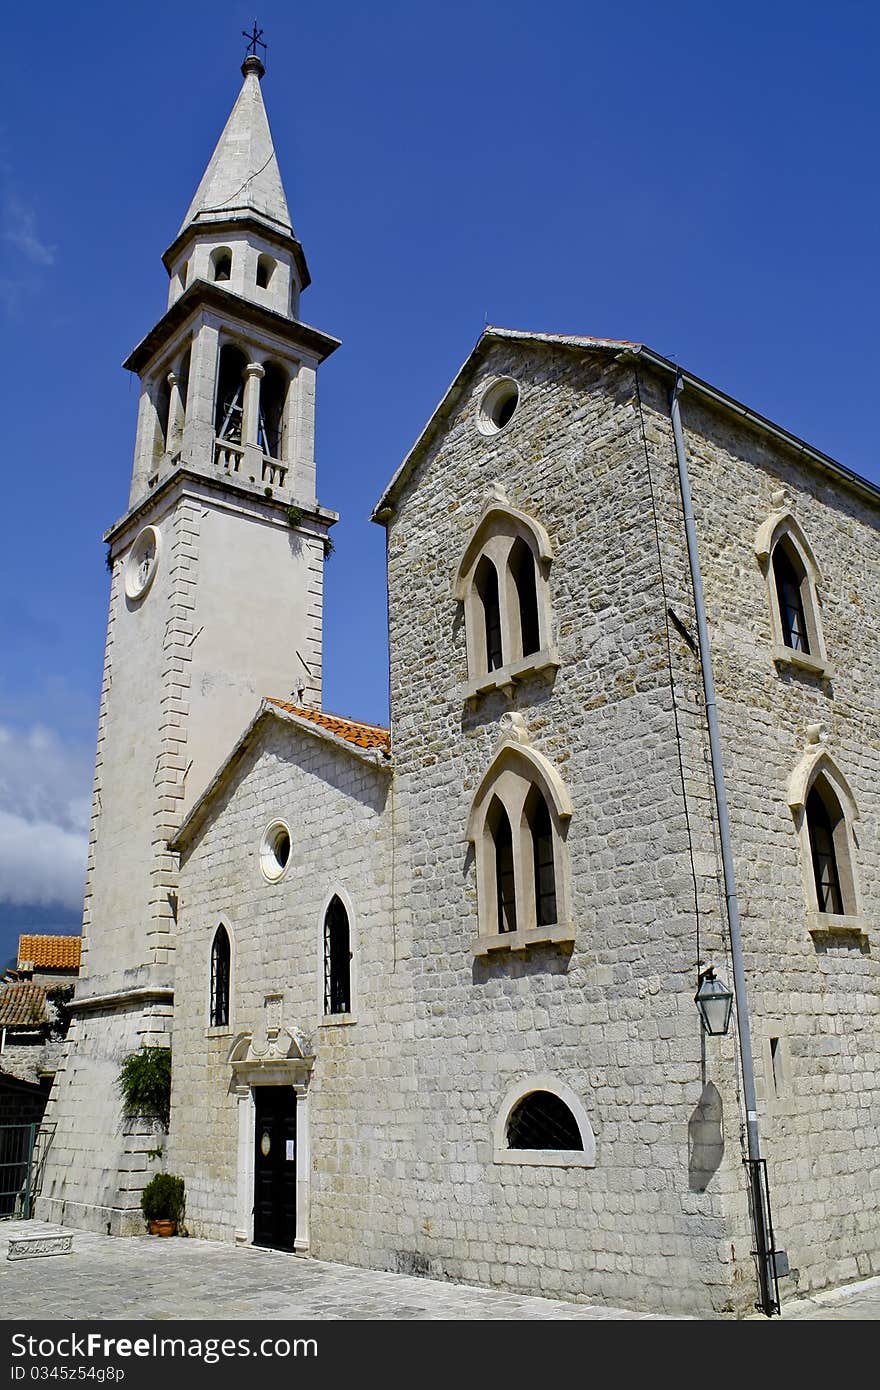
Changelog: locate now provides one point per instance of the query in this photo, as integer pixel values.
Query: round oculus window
(498, 406)
(142, 562)
(275, 851)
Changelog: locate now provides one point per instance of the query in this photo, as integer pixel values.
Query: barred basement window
(220, 978)
(542, 1121)
(337, 959)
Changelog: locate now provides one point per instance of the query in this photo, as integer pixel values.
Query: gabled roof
(49, 952)
(352, 730)
(613, 347)
(371, 742)
(22, 1005)
(243, 175)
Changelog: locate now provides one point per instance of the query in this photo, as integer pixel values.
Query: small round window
(498, 406)
(275, 851)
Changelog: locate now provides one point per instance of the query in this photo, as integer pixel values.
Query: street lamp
(714, 1001)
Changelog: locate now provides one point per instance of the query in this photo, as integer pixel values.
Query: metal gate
(23, 1150)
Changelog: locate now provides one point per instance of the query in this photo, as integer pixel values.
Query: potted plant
(162, 1202)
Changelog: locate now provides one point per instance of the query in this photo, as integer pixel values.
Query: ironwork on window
(220, 975)
(541, 827)
(337, 959)
(542, 1121)
(825, 871)
(789, 589)
(522, 568)
(486, 581)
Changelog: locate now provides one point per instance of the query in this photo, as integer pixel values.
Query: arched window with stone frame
(337, 958)
(503, 584)
(221, 264)
(518, 827)
(221, 978)
(541, 1122)
(793, 578)
(825, 814)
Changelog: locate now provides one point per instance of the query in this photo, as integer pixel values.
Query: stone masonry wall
(815, 994)
(613, 1019)
(335, 804)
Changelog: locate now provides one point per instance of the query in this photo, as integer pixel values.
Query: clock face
(142, 562)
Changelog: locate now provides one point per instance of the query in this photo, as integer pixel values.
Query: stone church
(429, 990)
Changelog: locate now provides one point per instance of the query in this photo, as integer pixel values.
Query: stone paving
(109, 1278)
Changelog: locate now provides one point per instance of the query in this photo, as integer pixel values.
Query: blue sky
(702, 178)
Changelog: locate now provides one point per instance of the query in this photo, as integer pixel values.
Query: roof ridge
(310, 713)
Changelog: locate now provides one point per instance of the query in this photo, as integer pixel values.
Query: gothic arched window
(221, 965)
(486, 586)
(790, 578)
(825, 814)
(337, 959)
(498, 823)
(518, 826)
(521, 562)
(540, 828)
(825, 822)
(502, 582)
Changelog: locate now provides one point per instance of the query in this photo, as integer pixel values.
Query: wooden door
(275, 1167)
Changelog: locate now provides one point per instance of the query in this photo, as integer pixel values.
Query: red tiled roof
(22, 1004)
(352, 730)
(48, 952)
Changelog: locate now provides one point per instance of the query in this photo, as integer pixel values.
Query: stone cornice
(122, 998)
(202, 294)
(220, 226)
(217, 482)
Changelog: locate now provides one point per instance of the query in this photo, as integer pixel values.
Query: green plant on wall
(145, 1084)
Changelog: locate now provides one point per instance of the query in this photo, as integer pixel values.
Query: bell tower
(215, 601)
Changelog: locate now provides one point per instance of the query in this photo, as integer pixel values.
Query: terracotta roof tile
(22, 1004)
(352, 730)
(48, 952)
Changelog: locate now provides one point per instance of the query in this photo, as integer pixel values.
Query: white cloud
(40, 862)
(44, 816)
(20, 229)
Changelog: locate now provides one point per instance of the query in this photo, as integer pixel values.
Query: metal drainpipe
(760, 1216)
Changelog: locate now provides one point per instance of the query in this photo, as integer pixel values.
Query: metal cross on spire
(254, 39)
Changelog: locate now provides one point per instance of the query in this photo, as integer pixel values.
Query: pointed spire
(243, 176)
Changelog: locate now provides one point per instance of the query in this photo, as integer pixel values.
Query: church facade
(429, 991)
